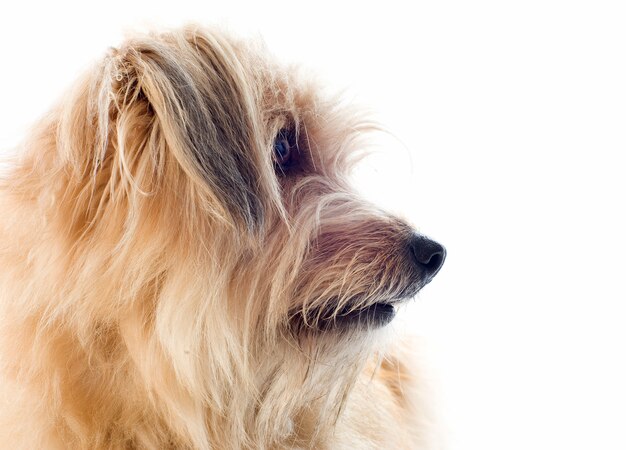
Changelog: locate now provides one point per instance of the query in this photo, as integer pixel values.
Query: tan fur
(153, 261)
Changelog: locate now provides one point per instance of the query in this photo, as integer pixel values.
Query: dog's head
(202, 193)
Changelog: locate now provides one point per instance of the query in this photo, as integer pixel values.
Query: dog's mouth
(371, 316)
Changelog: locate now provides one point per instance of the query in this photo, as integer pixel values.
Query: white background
(513, 115)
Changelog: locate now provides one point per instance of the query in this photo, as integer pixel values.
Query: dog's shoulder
(391, 405)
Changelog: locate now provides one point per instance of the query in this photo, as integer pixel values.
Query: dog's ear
(183, 98)
(198, 94)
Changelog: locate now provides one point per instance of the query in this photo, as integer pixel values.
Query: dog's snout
(428, 255)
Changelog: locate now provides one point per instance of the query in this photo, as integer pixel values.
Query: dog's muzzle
(425, 259)
(428, 257)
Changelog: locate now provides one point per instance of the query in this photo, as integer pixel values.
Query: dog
(184, 265)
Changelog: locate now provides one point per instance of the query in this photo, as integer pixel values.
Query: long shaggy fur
(164, 285)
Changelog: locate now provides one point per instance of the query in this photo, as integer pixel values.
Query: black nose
(429, 255)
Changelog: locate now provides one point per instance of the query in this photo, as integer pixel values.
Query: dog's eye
(285, 148)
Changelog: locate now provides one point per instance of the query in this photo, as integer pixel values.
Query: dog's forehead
(291, 95)
(236, 90)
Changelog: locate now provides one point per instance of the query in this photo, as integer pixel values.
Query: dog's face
(202, 193)
(261, 160)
